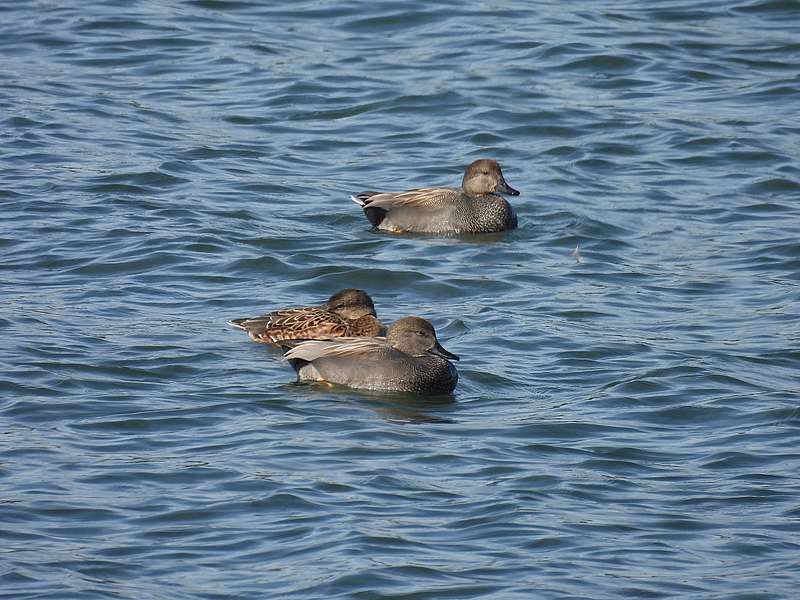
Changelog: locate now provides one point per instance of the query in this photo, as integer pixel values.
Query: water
(626, 424)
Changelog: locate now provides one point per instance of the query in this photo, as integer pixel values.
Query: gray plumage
(408, 359)
(475, 207)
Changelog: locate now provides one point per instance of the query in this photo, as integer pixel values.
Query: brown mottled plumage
(349, 312)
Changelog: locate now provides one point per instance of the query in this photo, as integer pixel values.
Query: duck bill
(504, 188)
(438, 350)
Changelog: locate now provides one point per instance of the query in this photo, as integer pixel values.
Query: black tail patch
(375, 214)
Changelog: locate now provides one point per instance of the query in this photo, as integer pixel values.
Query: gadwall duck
(349, 312)
(408, 359)
(475, 207)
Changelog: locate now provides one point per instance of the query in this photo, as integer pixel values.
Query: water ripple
(625, 422)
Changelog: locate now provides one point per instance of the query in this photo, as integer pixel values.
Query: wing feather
(293, 323)
(355, 347)
(421, 198)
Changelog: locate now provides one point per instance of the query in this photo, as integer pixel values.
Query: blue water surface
(626, 423)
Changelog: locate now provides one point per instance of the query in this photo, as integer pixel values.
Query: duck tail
(374, 214)
(362, 198)
(238, 323)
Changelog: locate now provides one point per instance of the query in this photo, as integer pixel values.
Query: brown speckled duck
(475, 207)
(349, 312)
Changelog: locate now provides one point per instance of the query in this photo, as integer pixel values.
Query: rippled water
(626, 423)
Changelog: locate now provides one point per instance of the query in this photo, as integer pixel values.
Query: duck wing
(293, 323)
(350, 347)
(420, 198)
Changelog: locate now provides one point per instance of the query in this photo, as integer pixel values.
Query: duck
(408, 359)
(348, 312)
(475, 207)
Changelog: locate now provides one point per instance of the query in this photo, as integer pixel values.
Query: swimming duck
(349, 312)
(408, 359)
(475, 207)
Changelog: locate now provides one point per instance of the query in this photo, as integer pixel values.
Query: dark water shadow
(469, 238)
(394, 407)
